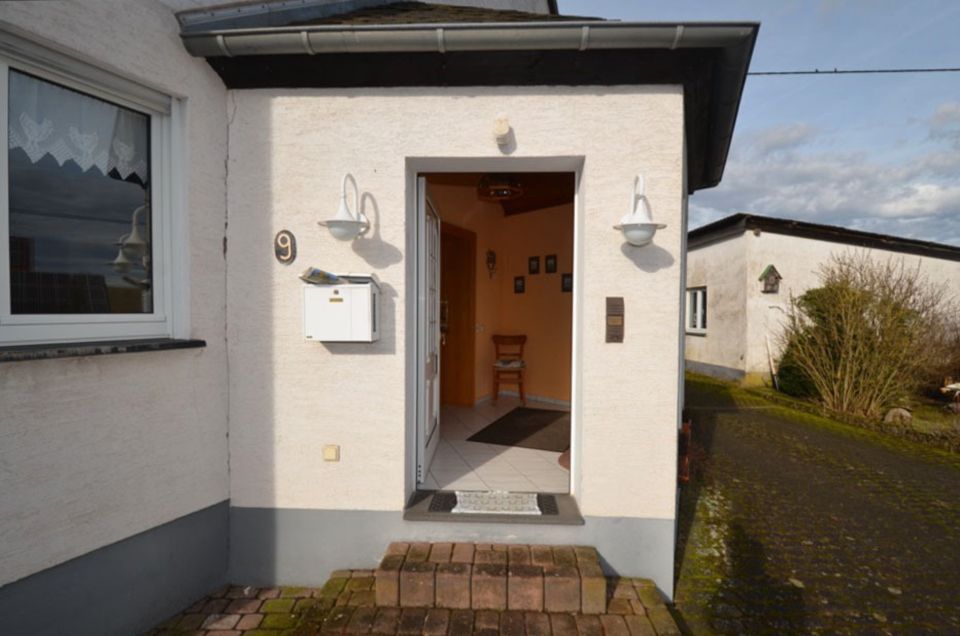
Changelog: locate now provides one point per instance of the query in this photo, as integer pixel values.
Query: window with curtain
(88, 193)
(79, 202)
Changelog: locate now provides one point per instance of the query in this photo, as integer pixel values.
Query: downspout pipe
(446, 38)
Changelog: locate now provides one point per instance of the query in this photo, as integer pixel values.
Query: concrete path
(801, 525)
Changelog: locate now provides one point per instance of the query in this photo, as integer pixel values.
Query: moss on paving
(801, 412)
(802, 524)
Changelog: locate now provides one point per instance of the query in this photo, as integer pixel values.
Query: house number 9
(285, 247)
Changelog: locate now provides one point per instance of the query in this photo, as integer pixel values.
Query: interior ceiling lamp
(346, 225)
(499, 187)
(637, 225)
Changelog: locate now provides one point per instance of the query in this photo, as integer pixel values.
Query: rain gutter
(445, 38)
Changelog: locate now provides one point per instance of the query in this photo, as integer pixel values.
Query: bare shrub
(870, 336)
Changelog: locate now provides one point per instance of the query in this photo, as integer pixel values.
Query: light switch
(331, 453)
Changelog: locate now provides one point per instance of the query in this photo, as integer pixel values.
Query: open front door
(428, 330)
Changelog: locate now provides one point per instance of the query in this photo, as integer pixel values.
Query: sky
(879, 153)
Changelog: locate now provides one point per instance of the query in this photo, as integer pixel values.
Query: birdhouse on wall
(771, 280)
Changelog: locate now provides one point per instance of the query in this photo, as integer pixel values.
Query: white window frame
(166, 319)
(696, 323)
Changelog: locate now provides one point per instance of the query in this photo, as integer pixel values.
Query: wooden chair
(508, 364)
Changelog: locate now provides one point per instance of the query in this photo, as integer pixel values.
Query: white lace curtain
(46, 119)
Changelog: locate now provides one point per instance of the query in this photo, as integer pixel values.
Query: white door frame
(414, 168)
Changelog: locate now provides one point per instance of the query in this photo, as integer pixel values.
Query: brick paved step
(462, 576)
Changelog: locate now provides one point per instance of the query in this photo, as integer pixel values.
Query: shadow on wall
(649, 258)
(252, 322)
(372, 248)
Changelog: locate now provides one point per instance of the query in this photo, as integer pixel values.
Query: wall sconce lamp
(345, 226)
(491, 262)
(637, 225)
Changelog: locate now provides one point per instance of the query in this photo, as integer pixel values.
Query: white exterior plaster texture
(721, 268)
(93, 450)
(288, 152)
(799, 261)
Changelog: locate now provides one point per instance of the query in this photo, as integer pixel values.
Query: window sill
(699, 334)
(51, 351)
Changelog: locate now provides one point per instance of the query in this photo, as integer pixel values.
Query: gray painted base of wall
(126, 587)
(715, 370)
(271, 546)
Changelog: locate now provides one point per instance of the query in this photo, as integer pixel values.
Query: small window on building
(86, 229)
(697, 310)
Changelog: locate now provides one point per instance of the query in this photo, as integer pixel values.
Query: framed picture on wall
(519, 284)
(550, 263)
(533, 265)
(566, 283)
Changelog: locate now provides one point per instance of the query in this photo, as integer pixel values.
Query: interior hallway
(464, 465)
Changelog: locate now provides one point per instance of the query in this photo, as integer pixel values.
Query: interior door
(428, 328)
(458, 249)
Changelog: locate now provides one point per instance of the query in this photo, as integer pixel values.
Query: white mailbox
(345, 312)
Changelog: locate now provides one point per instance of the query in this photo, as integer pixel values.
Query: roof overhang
(737, 224)
(710, 60)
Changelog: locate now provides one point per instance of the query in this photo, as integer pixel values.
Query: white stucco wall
(721, 268)
(288, 152)
(799, 261)
(93, 450)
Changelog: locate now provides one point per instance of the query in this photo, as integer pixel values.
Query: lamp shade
(345, 226)
(637, 225)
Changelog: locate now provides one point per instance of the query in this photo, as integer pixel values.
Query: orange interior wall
(543, 312)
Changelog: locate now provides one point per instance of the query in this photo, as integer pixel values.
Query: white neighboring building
(746, 267)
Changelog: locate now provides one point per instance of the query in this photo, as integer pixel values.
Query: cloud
(777, 172)
(782, 138)
(945, 124)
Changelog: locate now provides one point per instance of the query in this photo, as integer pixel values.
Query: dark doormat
(542, 429)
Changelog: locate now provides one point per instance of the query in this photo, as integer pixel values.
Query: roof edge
(575, 35)
(736, 224)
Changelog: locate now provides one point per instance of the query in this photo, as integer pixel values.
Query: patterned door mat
(494, 503)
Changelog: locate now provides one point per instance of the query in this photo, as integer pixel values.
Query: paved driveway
(801, 525)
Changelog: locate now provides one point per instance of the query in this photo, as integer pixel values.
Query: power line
(865, 71)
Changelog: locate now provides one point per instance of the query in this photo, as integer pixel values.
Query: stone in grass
(896, 591)
(796, 583)
(897, 415)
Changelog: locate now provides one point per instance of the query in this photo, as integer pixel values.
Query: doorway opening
(496, 259)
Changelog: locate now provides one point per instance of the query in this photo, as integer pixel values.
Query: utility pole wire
(866, 71)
